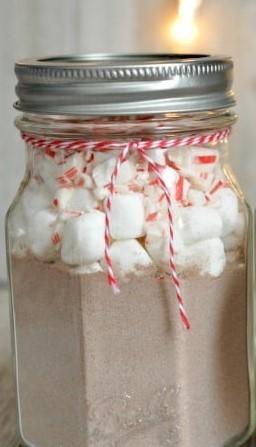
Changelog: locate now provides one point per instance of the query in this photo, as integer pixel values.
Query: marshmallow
(157, 241)
(83, 239)
(60, 171)
(35, 197)
(103, 171)
(84, 181)
(101, 193)
(225, 202)
(128, 255)
(99, 157)
(157, 156)
(207, 257)
(196, 197)
(62, 197)
(81, 200)
(197, 223)
(198, 164)
(194, 159)
(170, 177)
(127, 216)
(74, 199)
(41, 227)
(95, 267)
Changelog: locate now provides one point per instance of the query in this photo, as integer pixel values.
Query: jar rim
(123, 84)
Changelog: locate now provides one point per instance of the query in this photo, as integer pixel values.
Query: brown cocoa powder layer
(97, 369)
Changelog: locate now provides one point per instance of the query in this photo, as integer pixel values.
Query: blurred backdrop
(46, 27)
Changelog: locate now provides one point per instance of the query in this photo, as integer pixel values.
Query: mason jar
(130, 255)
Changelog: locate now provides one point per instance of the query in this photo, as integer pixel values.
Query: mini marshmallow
(102, 156)
(196, 198)
(127, 216)
(62, 197)
(103, 171)
(128, 255)
(83, 239)
(197, 164)
(195, 158)
(170, 177)
(74, 199)
(198, 222)
(100, 193)
(95, 267)
(158, 156)
(207, 257)
(84, 181)
(60, 171)
(225, 202)
(81, 200)
(157, 241)
(41, 227)
(35, 197)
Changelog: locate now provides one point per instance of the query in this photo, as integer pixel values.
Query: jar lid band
(115, 84)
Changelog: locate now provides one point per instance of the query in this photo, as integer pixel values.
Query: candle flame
(184, 29)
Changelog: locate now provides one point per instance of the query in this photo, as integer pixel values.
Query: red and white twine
(126, 148)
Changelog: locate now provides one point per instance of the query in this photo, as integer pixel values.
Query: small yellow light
(184, 31)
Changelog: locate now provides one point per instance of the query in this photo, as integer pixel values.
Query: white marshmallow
(84, 181)
(103, 171)
(198, 223)
(196, 197)
(199, 164)
(127, 216)
(51, 170)
(207, 257)
(158, 156)
(128, 255)
(35, 197)
(95, 267)
(157, 241)
(83, 239)
(99, 157)
(41, 227)
(81, 200)
(101, 193)
(62, 197)
(226, 204)
(170, 177)
(74, 199)
(194, 159)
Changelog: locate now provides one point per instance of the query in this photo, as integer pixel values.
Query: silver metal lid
(115, 84)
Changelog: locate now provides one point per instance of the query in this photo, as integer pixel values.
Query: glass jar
(128, 189)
